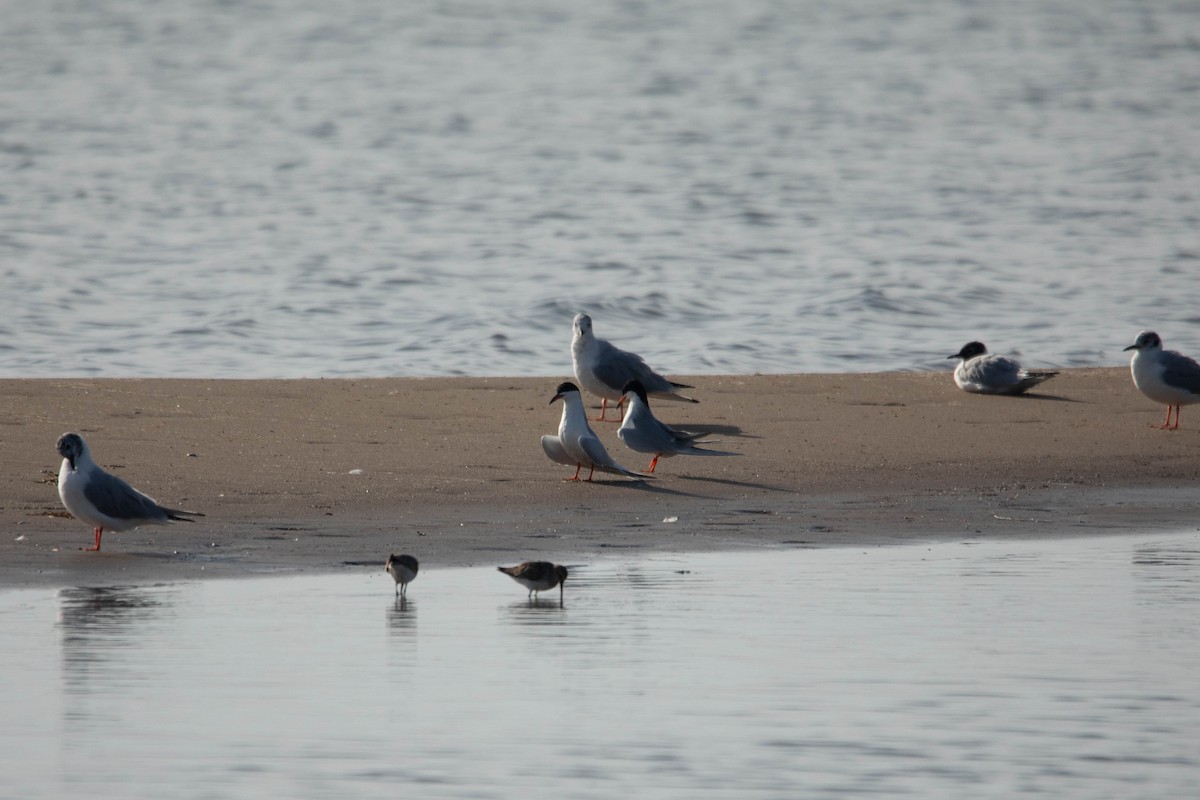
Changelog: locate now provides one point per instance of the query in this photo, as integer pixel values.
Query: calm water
(435, 187)
(1066, 669)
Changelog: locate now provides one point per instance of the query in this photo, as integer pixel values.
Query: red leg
(98, 532)
(574, 477)
(653, 464)
(1177, 410)
(591, 472)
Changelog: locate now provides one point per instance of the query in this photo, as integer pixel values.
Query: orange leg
(604, 410)
(653, 464)
(98, 532)
(1167, 422)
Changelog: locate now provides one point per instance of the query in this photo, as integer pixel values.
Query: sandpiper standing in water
(402, 569)
(538, 576)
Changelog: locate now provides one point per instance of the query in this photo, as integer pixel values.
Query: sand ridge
(317, 474)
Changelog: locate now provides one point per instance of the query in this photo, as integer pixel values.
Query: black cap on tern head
(636, 387)
(970, 350)
(563, 388)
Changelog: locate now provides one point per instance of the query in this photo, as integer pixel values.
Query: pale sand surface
(306, 475)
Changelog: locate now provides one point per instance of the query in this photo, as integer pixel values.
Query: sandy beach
(306, 475)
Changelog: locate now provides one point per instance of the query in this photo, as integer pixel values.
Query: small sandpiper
(402, 569)
(538, 576)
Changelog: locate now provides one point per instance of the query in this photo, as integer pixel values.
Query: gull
(402, 569)
(576, 444)
(604, 370)
(643, 432)
(990, 374)
(538, 576)
(103, 500)
(1164, 376)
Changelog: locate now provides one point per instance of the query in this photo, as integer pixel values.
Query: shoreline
(318, 474)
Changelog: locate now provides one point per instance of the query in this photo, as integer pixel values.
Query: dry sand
(324, 474)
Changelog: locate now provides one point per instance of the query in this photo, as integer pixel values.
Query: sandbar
(333, 474)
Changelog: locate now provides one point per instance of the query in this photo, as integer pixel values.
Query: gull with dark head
(1164, 376)
(103, 500)
(643, 432)
(991, 374)
(603, 369)
(402, 569)
(538, 576)
(576, 445)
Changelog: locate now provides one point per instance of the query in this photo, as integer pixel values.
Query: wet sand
(308, 475)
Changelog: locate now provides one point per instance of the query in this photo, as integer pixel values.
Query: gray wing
(602, 461)
(993, 372)
(650, 435)
(616, 367)
(1181, 371)
(552, 447)
(115, 498)
(665, 440)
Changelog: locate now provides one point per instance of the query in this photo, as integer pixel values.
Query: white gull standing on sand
(1164, 376)
(103, 500)
(603, 369)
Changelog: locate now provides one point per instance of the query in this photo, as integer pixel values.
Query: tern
(992, 374)
(576, 444)
(643, 432)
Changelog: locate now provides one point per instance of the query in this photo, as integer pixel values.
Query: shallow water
(1064, 668)
(257, 189)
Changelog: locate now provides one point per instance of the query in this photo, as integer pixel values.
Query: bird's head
(71, 446)
(1146, 340)
(564, 389)
(635, 387)
(969, 351)
(582, 326)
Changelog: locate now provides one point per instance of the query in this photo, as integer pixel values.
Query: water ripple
(726, 189)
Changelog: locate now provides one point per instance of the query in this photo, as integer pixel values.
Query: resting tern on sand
(103, 500)
(576, 444)
(1164, 376)
(643, 432)
(604, 370)
(991, 374)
